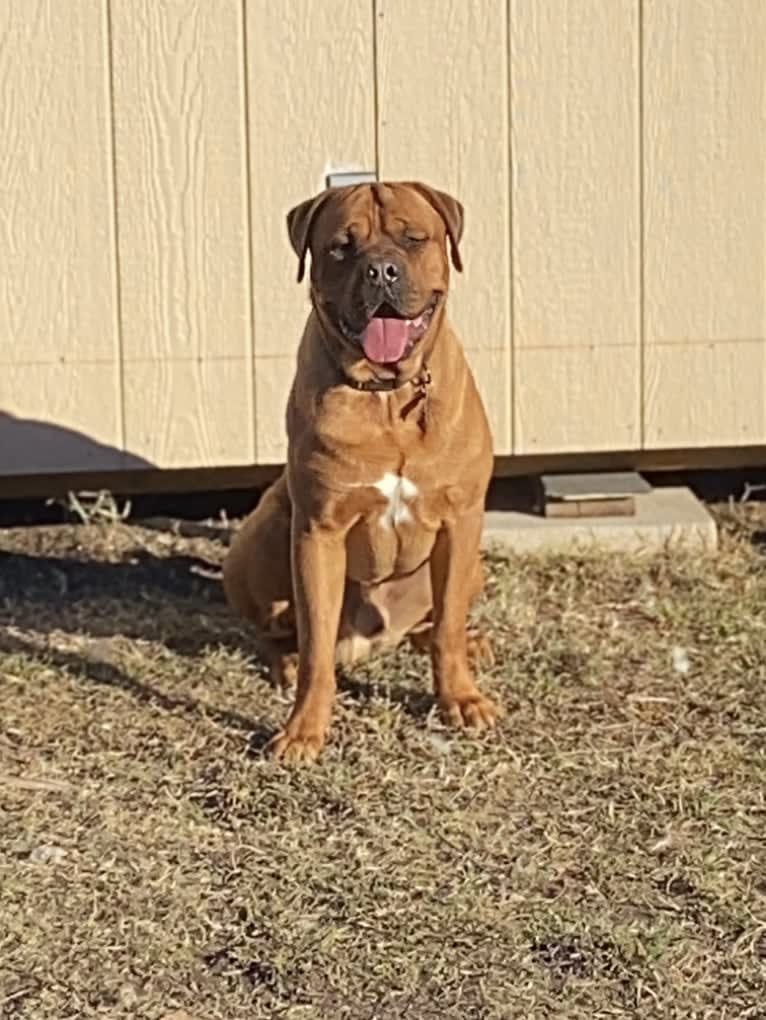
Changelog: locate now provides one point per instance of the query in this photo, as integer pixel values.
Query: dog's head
(379, 266)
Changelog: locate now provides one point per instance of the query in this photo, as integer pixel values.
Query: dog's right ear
(299, 223)
(453, 214)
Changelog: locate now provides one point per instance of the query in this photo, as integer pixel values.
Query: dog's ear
(453, 214)
(299, 223)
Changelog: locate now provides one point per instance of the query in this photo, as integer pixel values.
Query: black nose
(382, 272)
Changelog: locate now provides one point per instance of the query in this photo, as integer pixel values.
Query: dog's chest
(399, 493)
(395, 529)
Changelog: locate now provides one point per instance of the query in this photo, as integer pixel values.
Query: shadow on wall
(28, 446)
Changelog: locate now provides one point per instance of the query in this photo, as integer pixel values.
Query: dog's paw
(470, 711)
(296, 748)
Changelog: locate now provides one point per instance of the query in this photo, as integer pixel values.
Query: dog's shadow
(101, 672)
(174, 600)
(118, 598)
(416, 701)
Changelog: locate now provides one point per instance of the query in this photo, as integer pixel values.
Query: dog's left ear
(453, 214)
(299, 223)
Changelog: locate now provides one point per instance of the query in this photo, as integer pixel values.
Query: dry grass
(603, 856)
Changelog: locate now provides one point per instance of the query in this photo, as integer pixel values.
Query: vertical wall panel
(312, 110)
(274, 377)
(443, 118)
(179, 98)
(705, 222)
(58, 326)
(576, 216)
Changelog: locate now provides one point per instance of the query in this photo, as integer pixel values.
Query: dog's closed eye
(341, 246)
(412, 237)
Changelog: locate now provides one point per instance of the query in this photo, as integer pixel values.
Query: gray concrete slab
(665, 518)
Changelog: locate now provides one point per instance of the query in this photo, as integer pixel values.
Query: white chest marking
(398, 491)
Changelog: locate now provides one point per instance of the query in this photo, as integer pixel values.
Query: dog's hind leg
(256, 570)
(258, 584)
(479, 643)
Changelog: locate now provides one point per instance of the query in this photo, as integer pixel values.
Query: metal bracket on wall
(342, 179)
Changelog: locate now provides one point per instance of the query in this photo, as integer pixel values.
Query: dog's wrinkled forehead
(367, 211)
(372, 211)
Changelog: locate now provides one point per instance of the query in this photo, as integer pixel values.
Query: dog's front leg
(319, 574)
(453, 563)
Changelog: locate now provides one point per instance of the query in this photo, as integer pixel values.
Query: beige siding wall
(59, 331)
(705, 222)
(181, 192)
(611, 155)
(576, 224)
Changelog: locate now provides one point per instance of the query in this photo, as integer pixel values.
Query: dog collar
(419, 381)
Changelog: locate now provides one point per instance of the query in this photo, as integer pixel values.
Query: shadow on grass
(56, 580)
(99, 671)
(417, 701)
(175, 600)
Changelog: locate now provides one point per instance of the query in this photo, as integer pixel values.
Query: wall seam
(512, 360)
(116, 270)
(641, 235)
(248, 196)
(375, 84)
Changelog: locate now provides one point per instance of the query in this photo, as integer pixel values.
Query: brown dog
(380, 507)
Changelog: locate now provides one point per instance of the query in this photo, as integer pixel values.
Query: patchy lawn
(603, 855)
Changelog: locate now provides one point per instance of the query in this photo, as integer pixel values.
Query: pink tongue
(385, 340)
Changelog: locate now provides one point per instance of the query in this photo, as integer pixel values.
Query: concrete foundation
(665, 518)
